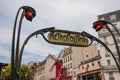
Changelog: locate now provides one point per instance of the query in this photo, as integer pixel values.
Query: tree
(25, 73)
(6, 73)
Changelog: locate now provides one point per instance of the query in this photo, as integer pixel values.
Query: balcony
(115, 54)
(111, 68)
(111, 78)
(90, 60)
(107, 55)
(105, 32)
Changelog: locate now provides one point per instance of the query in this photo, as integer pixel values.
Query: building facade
(108, 64)
(43, 71)
(49, 74)
(83, 63)
(90, 69)
(67, 60)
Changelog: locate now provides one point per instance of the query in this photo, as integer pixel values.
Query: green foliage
(25, 73)
(6, 73)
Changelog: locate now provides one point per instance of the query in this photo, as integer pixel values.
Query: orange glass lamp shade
(29, 16)
(98, 27)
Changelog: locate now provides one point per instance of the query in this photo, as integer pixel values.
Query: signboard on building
(67, 38)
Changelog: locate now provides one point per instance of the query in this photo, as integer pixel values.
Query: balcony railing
(111, 78)
(91, 59)
(106, 32)
(115, 54)
(107, 55)
(103, 32)
(110, 68)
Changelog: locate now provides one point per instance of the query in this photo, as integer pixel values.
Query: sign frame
(73, 35)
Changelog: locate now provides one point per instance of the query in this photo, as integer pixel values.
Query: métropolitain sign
(67, 38)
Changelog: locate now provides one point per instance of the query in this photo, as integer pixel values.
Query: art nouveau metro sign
(69, 38)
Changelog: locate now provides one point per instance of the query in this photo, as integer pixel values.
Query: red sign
(86, 69)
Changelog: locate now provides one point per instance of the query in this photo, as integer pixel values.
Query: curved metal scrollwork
(42, 32)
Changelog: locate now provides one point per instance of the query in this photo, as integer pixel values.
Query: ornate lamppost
(29, 14)
(98, 25)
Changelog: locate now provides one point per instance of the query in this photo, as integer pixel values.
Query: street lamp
(98, 25)
(29, 13)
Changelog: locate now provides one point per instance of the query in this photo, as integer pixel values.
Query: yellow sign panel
(67, 38)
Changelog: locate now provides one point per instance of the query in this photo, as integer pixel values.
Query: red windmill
(60, 71)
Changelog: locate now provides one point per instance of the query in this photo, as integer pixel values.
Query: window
(118, 60)
(71, 73)
(68, 66)
(105, 40)
(113, 17)
(92, 64)
(117, 38)
(74, 74)
(68, 73)
(82, 67)
(110, 74)
(107, 54)
(86, 55)
(102, 18)
(119, 48)
(99, 62)
(115, 27)
(64, 60)
(108, 61)
(70, 57)
(87, 65)
(71, 65)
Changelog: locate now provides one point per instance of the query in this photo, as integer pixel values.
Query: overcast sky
(73, 15)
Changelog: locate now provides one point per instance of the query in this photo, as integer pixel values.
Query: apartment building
(82, 63)
(89, 67)
(78, 59)
(67, 60)
(108, 64)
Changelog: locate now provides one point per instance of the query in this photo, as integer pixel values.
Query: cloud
(73, 15)
(4, 52)
(40, 47)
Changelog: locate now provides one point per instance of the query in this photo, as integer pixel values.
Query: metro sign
(67, 38)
